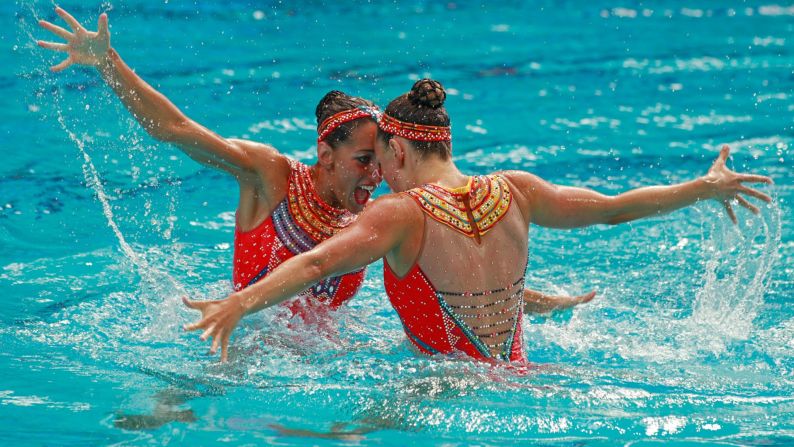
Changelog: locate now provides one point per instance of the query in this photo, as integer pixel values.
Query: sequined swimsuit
(481, 324)
(300, 222)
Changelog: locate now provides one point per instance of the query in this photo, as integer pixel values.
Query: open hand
(540, 303)
(565, 302)
(728, 185)
(83, 47)
(218, 320)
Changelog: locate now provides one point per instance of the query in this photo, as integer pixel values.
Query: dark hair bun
(427, 93)
(328, 102)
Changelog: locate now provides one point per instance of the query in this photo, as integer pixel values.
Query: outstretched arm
(379, 229)
(540, 303)
(161, 118)
(567, 207)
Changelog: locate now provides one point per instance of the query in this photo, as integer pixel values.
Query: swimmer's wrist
(241, 302)
(111, 54)
(707, 187)
(106, 60)
(244, 302)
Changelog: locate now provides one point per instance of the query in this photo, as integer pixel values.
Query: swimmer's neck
(435, 170)
(322, 179)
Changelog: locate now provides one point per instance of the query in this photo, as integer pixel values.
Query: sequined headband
(416, 132)
(332, 122)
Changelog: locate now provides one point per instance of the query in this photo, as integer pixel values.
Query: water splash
(735, 280)
(736, 273)
(156, 282)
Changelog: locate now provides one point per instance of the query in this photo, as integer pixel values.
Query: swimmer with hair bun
(284, 206)
(455, 245)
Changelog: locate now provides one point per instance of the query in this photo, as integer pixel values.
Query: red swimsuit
(446, 322)
(300, 222)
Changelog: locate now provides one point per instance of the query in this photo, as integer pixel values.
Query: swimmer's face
(355, 168)
(387, 159)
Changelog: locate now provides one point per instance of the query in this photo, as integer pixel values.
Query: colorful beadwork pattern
(298, 224)
(337, 119)
(412, 131)
(309, 212)
(489, 198)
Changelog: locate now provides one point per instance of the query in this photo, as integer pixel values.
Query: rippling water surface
(102, 229)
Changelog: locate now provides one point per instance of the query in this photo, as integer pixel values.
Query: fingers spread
(195, 326)
(754, 178)
(216, 341)
(755, 193)
(724, 152)
(207, 333)
(225, 348)
(53, 46)
(65, 63)
(74, 24)
(743, 202)
(55, 29)
(198, 305)
(102, 25)
(731, 214)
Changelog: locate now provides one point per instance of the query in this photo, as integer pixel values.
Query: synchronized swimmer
(284, 207)
(455, 246)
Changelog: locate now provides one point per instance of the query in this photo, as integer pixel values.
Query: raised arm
(158, 116)
(381, 228)
(567, 207)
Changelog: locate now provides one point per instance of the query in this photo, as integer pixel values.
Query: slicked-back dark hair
(424, 104)
(334, 102)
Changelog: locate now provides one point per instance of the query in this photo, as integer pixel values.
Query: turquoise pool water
(102, 229)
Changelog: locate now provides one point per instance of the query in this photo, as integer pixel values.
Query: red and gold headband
(332, 122)
(416, 132)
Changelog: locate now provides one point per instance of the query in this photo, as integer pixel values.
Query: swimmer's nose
(377, 174)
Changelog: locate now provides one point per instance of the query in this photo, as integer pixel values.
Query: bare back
(474, 254)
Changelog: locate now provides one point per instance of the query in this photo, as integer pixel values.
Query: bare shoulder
(268, 162)
(257, 149)
(394, 208)
(527, 189)
(522, 180)
(527, 183)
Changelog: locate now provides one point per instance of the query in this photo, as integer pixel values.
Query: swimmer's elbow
(617, 217)
(613, 212)
(617, 220)
(317, 267)
(171, 132)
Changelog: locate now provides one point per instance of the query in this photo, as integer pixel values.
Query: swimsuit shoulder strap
(472, 210)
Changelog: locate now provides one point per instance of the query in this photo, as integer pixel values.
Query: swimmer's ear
(325, 155)
(398, 149)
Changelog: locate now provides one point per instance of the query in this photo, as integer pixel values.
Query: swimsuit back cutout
(469, 277)
(300, 222)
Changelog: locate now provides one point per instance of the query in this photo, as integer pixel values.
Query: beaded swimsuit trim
(302, 220)
(309, 212)
(484, 200)
(469, 324)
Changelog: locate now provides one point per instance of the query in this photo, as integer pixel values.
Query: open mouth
(363, 193)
